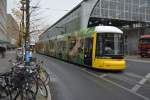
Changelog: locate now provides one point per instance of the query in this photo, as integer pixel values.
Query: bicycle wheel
(42, 88)
(29, 95)
(4, 94)
(25, 95)
(15, 94)
(34, 86)
(44, 76)
(47, 78)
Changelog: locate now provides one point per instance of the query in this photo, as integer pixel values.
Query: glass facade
(131, 10)
(3, 17)
(67, 24)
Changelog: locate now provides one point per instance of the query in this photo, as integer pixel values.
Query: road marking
(133, 75)
(147, 76)
(140, 83)
(142, 61)
(118, 85)
(102, 76)
(137, 76)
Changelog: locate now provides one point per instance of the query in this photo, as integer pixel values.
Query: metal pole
(20, 32)
(22, 25)
(27, 17)
(27, 59)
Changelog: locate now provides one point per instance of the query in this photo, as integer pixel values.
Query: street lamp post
(22, 25)
(27, 52)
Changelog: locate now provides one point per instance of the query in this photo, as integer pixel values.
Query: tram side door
(88, 51)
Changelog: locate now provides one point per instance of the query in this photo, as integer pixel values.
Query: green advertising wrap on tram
(99, 47)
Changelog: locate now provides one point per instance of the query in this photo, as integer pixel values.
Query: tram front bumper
(109, 64)
(114, 65)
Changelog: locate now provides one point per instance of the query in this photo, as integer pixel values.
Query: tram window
(99, 46)
(108, 44)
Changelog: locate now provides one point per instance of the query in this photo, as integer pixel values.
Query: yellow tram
(100, 47)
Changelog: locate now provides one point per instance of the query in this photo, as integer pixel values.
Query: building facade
(9, 29)
(12, 29)
(3, 19)
(128, 15)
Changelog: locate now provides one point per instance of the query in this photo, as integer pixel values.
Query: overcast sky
(57, 9)
(48, 16)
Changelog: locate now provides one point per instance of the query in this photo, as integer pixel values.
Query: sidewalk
(4, 67)
(137, 58)
(4, 64)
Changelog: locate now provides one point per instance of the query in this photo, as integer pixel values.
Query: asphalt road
(71, 82)
(140, 68)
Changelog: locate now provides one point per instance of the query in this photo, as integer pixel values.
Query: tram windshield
(109, 44)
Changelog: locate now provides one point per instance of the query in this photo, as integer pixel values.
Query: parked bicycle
(24, 82)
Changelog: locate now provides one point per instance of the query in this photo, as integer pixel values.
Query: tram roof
(106, 29)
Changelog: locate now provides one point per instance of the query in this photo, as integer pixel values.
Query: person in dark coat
(2, 51)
